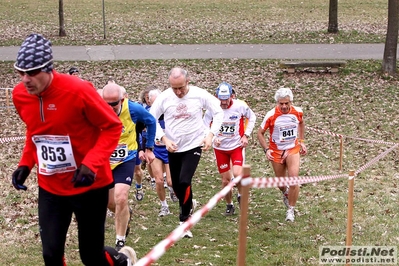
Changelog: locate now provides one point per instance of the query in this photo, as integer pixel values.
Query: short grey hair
(146, 91)
(177, 72)
(283, 93)
(154, 92)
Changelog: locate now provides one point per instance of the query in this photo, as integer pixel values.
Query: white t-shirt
(183, 116)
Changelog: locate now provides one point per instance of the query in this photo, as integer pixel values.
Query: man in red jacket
(70, 135)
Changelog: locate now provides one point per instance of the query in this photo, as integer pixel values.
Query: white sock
(118, 238)
(164, 203)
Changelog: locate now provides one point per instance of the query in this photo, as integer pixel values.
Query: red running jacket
(69, 107)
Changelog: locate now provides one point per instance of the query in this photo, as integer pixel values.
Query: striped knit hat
(35, 53)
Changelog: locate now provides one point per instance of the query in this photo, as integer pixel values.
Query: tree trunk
(333, 17)
(61, 32)
(391, 41)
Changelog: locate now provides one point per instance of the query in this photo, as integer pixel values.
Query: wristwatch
(149, 148)
(246, 136)
(265, 150)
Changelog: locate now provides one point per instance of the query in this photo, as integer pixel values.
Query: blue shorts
(123, 173)
(138, 161)
(161, 153)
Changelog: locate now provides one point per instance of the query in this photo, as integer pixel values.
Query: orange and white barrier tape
(376, 159)
(290, 181)
(11, 139)
(324, 132)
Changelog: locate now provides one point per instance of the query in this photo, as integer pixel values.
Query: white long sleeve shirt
(234, 125)
(183, 116)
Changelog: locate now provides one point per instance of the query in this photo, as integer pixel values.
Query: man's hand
(19, 176)
(170, 145)
(303, 150)
(141, 156)
(149, 156)
(83, 177)
(269, 154)
(244, 141)
(207, 142)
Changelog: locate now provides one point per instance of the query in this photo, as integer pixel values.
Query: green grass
(356, 102)
(176, 22)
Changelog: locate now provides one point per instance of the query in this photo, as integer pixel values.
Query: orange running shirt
(283, 127)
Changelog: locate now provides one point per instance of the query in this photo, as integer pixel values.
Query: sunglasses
(30, 73)
(113, 104)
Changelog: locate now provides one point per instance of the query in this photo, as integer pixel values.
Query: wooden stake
(341, 151)
(349, 223)
(242, 235)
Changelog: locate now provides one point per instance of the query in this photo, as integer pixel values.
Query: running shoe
(187, 234)
(165, 184)
(193, 206)
(290, 214)
(172, 195)
(153, 185)
(164, 211)
(139, 194)
(229, 210)
(119, 244)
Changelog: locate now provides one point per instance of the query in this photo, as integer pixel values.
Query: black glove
(19, 176)
(83, 177)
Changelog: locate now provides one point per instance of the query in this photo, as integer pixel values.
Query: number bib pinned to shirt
(288, 133)
(227, 129)
(120, 153)
(54, 154)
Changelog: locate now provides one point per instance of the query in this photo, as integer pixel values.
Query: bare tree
(61, 32)
(333, 17)
(391, 41)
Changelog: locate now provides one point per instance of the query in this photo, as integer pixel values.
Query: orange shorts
(280, 156)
